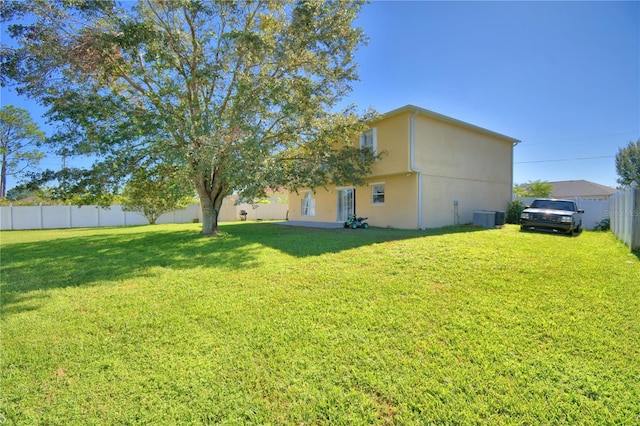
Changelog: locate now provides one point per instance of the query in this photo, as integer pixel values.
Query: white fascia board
(446, 119)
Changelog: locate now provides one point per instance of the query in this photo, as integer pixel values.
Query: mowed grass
(269, 324)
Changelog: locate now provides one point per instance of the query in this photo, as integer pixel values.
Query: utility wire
(525, 144)
(563, 159)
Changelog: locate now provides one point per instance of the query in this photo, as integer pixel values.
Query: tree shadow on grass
(106, 255)
(101, 256)
(304, 241)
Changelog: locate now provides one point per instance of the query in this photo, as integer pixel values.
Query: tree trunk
(211, 203)
(3, 177)
(211, 189)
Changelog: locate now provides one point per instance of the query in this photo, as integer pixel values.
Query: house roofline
(446, 119)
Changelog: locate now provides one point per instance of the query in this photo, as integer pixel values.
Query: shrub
(603, 225)
(515, 209)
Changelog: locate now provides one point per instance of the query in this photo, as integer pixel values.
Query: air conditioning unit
(484, 218)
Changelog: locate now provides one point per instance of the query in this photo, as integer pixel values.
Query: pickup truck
(552, 215)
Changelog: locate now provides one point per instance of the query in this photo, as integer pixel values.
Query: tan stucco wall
(392, 139)
(325, 205)
(440, 194)
(398, 211)
(400, 204)
(445, 150)
(460, 164)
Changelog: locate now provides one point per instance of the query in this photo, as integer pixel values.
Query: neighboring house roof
(580, 188)
(446, 119)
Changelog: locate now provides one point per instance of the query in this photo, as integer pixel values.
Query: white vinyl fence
(625, 216)
(594, 211)
(273, 208)
(51, 217)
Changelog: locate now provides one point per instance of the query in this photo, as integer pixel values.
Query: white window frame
(373, 193)
(308, 205)
(373, 134)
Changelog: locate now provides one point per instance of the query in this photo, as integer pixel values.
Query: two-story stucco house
(435, 171)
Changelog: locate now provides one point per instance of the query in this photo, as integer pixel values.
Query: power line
(576, 138)
(564, 159)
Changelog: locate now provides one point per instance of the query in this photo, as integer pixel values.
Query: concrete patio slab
(322, 225)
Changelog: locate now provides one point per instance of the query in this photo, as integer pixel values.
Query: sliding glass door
(346, 203)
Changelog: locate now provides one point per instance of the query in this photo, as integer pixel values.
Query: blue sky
(563, 77)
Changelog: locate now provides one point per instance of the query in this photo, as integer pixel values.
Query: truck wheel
(354, 225)
(365, 225)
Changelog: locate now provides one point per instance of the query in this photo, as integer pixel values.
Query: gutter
(412, 165)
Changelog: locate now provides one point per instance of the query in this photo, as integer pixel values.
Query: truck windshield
(554, 205)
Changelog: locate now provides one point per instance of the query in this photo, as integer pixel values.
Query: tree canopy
(536, 188)
(19, 138)
(239, 95)
(153, 191)
(628, 163)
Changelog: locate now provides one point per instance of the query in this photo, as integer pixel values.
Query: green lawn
(278, 325)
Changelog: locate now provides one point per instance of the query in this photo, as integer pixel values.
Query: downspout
(514, 144)
(412, 165)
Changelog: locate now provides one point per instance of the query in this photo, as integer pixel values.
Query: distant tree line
(536, 188)
(628, 163)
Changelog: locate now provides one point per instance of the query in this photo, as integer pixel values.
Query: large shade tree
(239, 94)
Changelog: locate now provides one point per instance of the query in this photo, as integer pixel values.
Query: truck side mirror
(580, 211)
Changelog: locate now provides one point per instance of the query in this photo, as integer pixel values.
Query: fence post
(634, 242)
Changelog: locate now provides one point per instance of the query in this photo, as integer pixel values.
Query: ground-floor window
(308, 205)
(377, 193)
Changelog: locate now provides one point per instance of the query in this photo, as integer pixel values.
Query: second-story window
(368, 140)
